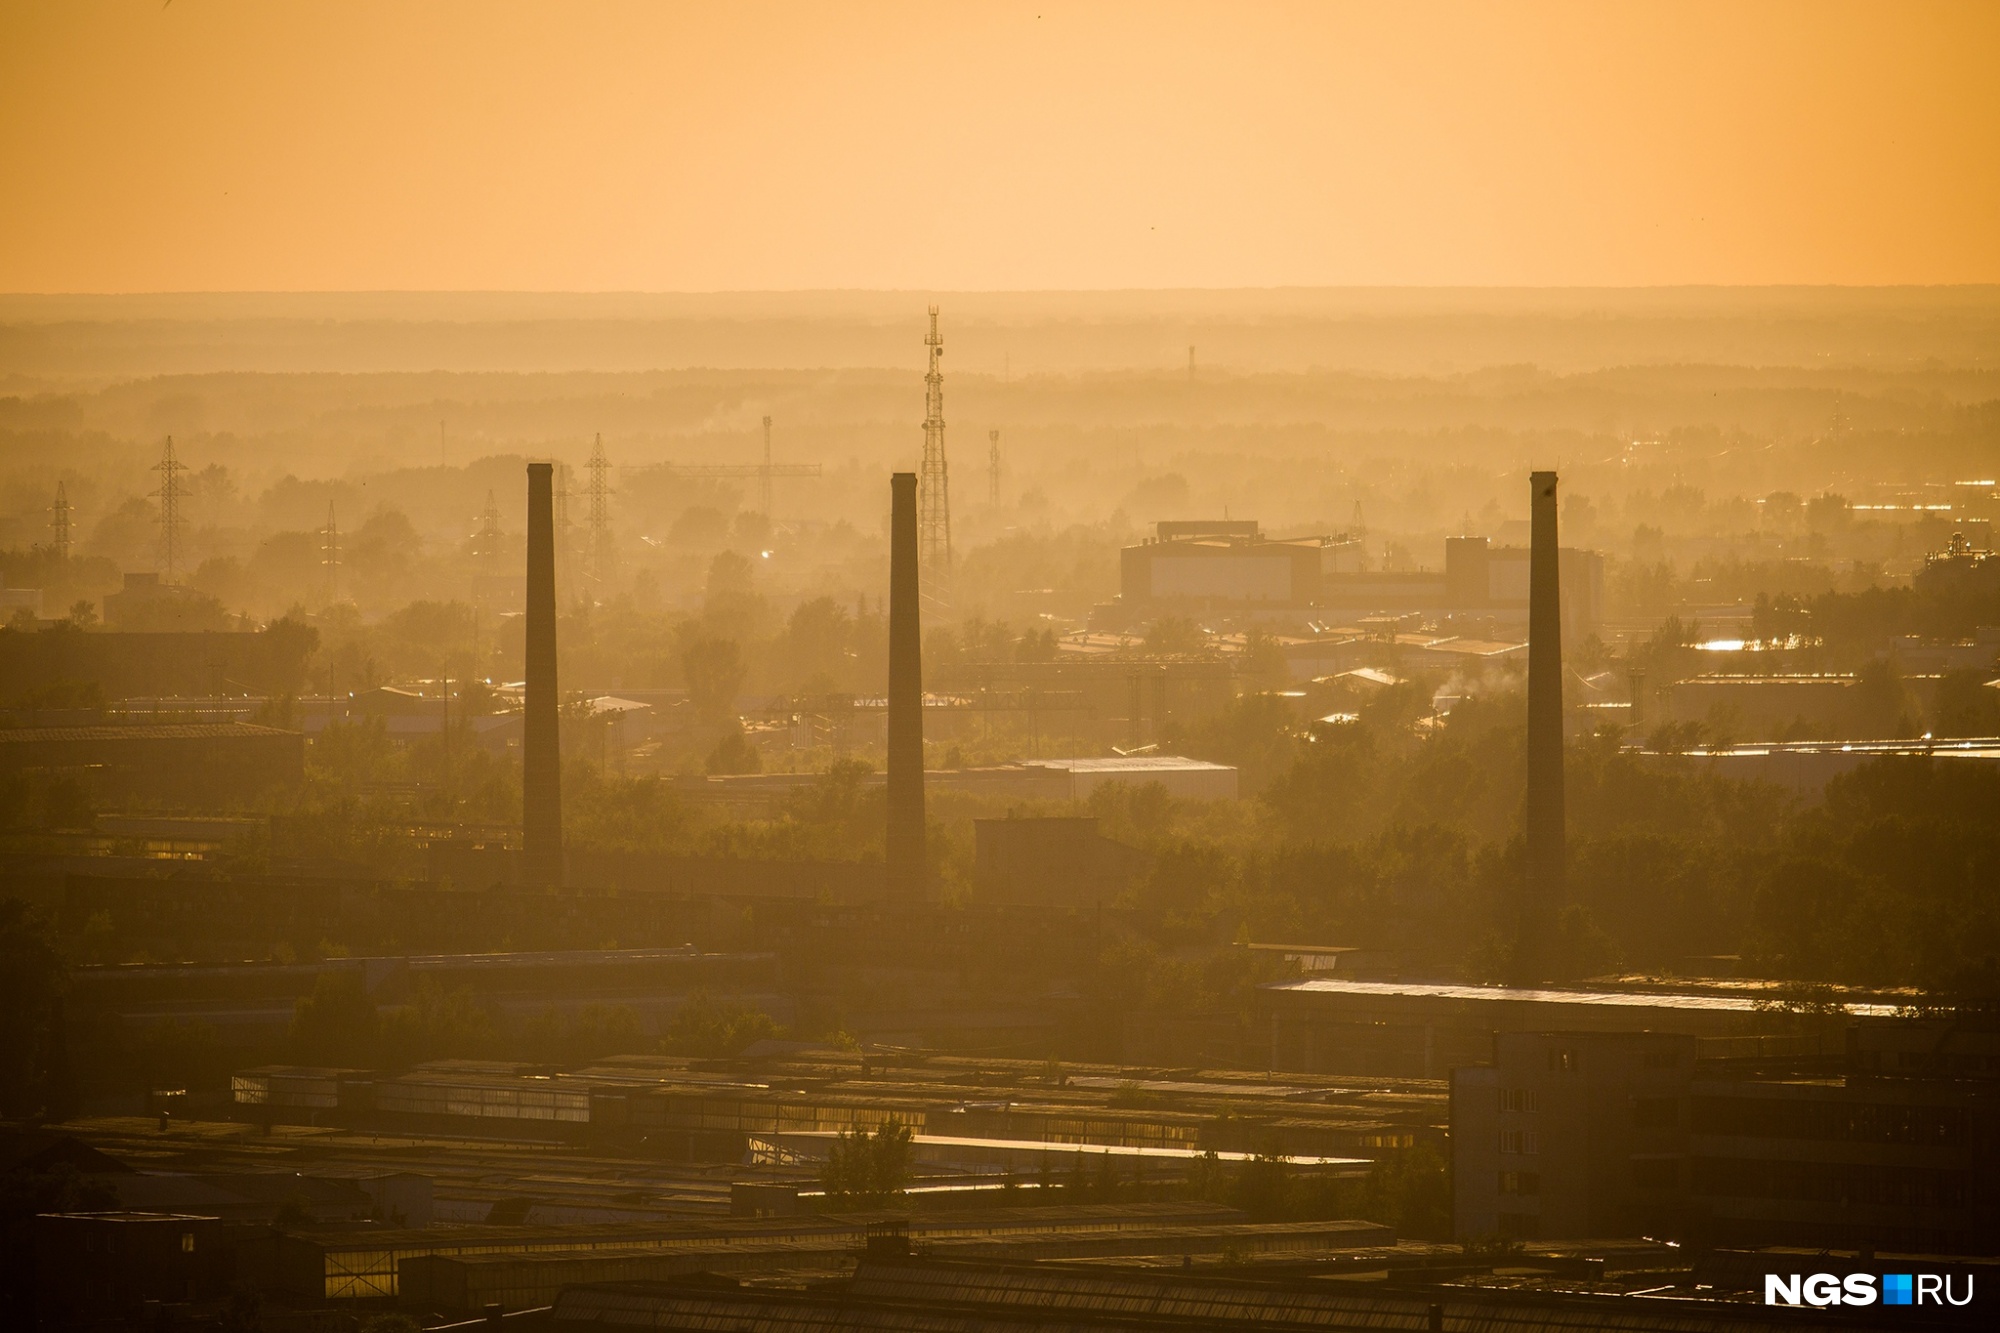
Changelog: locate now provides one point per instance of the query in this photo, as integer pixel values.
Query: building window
(1520, 1141)
(1656, 1113)
(187, 1242)
(1517, 1225)
(1517, 1099)
(1656, 1173)
(1526, 1183)
(1563, 1062)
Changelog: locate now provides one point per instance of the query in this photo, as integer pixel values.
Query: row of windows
(1841, 1122)
(1831, 1183)
(1520, 1141)
(1517, 1099)
(1521, 1182)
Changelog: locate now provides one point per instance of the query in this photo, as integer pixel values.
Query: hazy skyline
(362, 146)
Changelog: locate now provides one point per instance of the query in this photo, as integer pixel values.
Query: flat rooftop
(1744, 1004)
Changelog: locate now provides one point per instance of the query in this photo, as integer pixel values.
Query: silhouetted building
(177, 765)
(111, 665)
(904, 850)
(1422, 1029)
(93, 1269)
(541, 740)
(1229, 564)
(1623, 1134)
(13, 601)
(1054, 862)
(1479, 580)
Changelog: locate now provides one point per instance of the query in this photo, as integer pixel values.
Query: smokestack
(905, 849)
(1546, 838)
(541, 745)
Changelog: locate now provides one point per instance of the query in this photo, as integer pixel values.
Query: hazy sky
(203, 145)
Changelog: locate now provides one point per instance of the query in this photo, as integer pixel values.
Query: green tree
(713, 1028)
(868, 1169)
(714, 670)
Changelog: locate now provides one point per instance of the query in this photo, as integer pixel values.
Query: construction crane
(934, 487)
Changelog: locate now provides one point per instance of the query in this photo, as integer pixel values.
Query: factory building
(1333, 1025)
(168, 764)
(1478, 579)
(1201, 566)
(1232, 566)
(1634, 1133)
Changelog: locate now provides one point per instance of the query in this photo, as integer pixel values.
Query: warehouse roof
(1538, 995)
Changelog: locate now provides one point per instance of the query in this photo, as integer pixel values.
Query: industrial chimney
(905, 848)
(541, 746)
(1546, 850)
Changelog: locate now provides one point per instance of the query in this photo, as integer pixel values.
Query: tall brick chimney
(904, 852)
(1547, 854)
(541, 745)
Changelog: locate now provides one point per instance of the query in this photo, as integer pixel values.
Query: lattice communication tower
(934, 487)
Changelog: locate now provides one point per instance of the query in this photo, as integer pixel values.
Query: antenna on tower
(59, 523)
(934, 487)
(171, 493)
(329, 555)
(993, 466)
(599, 491)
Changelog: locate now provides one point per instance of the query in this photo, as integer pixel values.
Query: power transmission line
(59, 524)
(170, 494)
(599, 492)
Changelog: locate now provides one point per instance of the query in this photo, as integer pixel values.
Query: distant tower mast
(59, 523)
(599, 491)
(171, 493)
(934, 486)
(993, 466)
(565, 566)
(764, 475)
(486, 542)
(329, 555)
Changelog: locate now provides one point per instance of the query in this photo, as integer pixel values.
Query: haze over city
(907, 666)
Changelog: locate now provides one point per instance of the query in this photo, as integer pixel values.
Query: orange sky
(577, 145)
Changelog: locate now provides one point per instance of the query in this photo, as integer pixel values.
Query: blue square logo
(1896, 1289)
